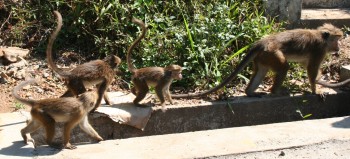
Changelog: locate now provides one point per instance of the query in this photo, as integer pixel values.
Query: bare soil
(52, 87)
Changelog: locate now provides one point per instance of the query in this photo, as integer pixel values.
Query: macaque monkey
(306, 46)
(158, 77)
(99, 72)
(69, 110)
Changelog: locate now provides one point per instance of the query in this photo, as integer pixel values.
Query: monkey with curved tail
(158, 77)
(306, 46)
(99, 72)
(71, 111)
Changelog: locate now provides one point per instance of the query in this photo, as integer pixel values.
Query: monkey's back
(297, 42)
(60, 109)
(92, 70)
(150, 74)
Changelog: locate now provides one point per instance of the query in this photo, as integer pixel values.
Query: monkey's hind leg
(101, 93)
(280, 75)
(32, 126)
(259, 73)
(49, 125)
(141, 88)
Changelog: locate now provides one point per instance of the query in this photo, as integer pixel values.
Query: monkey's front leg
(314, 75)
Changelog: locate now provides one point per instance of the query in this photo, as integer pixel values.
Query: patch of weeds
(18, 106)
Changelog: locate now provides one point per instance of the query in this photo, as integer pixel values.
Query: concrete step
(314, 17)
(325, 3)
(219, 142)
(208, 115)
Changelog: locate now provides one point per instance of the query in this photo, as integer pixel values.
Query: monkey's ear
(325, 35)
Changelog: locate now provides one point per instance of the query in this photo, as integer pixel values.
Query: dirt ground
(53, 86)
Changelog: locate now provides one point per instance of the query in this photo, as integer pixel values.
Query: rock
(3, 80)
(26, 87)
(45, 75)
(3, 75)
(11, 53)
(20, 74)
(21, 62)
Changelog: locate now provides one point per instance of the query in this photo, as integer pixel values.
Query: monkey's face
(117, 60)
(176, 75)
(175, 71)
(333, 43)
(113, 61)
(331, 36)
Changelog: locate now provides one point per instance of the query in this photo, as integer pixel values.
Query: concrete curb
(208, 143)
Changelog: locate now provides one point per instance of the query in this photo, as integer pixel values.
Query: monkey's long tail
(249, 57)
(50, 44)
(128, 56)
(333, 85)
(15, 90)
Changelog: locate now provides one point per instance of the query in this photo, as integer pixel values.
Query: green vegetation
(208, 38)
(18, 106)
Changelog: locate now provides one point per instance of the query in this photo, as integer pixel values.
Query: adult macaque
(306, 46)
(158, 77)
(69, 110)
(97, 72)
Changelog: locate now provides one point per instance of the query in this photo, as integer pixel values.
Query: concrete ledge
(219, 142)
(313, 18)
(238, 111)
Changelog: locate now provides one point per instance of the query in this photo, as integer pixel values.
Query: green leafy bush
(207, 38)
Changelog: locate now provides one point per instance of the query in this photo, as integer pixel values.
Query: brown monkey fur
(158, 77)
(99, 72)
(70, 110)
(306, 46)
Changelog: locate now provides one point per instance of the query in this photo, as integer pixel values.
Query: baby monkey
(158, 77)
(69, 110)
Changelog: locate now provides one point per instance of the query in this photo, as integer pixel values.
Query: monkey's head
(175, 71)
(113, 61)
(331, 36)
(88, 99)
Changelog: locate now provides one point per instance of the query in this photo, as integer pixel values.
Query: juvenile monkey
(69, 110)
(158, 77)
(99, 72)
(306, 46)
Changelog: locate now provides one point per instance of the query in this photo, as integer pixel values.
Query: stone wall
(284, 10)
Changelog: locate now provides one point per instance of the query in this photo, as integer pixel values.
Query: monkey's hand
(98, 138)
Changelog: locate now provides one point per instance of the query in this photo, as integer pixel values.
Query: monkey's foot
(30, 140)
(70, 146)
(323, 95)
